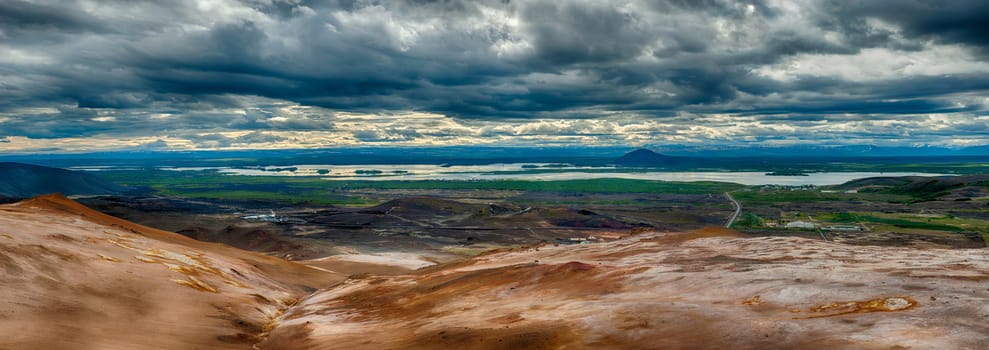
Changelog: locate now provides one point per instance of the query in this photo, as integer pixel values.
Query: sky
(83, 75)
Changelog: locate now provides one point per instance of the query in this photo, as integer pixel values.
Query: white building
(801, 225)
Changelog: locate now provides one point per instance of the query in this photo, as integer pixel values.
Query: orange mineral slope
(73, 278)
(700, 290)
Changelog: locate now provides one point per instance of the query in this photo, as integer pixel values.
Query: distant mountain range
(18, 180)
(820, 151)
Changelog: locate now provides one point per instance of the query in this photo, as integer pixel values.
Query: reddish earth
(702, 289)
(71, 278)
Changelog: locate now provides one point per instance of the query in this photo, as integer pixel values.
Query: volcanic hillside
(645, 158)
(76, 279)
(966, 187)
(702, 290)
(19, 180)
(73, 278)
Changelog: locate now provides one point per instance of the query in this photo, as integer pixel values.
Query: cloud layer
(293, 73)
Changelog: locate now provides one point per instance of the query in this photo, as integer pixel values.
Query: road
(738, 210)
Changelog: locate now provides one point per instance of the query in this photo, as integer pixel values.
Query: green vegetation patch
(748, 220)
(591, 185)
(211, 184)
(896, 222)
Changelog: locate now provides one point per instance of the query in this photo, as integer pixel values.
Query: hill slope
(703, 290)
(20, 180)
(925, 188)
(644, 157)
(73, 278)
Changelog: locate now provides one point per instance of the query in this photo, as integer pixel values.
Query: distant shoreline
(787, 173)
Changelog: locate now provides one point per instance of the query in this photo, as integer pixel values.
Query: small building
(843, 228)
(573, 240)
(801, 225)
(273, 218)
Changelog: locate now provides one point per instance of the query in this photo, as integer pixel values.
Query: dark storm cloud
(216, 140)
(961, 22)
(28, 18)
(566, 33)
(104, 67)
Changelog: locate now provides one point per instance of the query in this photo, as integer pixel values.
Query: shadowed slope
(294, 274)
(73, 278)
(26, 180)
(924, 188)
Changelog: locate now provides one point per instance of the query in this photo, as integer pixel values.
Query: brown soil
(74, 278)
(71, 278)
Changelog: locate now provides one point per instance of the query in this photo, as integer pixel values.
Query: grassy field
(911, 223)
(592, 186)
(902, 221)
(209, 184)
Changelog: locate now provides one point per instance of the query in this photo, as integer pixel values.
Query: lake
(536, 171)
